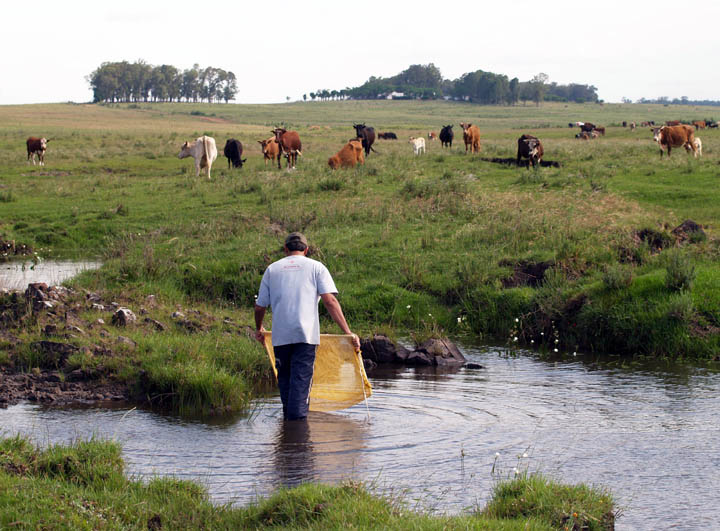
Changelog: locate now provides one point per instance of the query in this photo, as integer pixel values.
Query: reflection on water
(15, 276)
(649, 433)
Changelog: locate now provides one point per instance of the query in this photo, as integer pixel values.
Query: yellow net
(339, 379)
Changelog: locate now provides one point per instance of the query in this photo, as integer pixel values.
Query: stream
(649, 433)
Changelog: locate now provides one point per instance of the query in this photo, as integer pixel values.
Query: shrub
(617, 277)
(679, 271)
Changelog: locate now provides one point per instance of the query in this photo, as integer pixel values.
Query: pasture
(418, 245)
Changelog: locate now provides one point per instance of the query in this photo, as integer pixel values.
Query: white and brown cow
(203, 150)
(36, 146)
(670, 136)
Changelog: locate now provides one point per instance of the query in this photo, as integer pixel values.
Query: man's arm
(333, 307)
(259, 328)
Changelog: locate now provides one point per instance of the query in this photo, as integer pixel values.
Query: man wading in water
(292, 287)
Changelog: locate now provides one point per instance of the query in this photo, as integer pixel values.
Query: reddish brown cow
(432, 135)
(36, 146)
(350, 155)
(290, 145)
(699, 124)
(670, 136)
(471, 136)
(672, 122)
(600, 130)
(270, 150)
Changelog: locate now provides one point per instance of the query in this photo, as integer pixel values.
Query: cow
(571, 125)
(233, 151)
(270, 150)
(670, 136)
(471, 137)
(36, 146)
(600, 130)
(673, 122)
(366, 135)
(446, 136)
(699, 124)
(418, 145)
(713, 125)
(529, 147)
(289, 144)
(624, 124)
(584, 135)
(387, 136)
(203, 150)
(586, 127)
(632, 126)
(350, 155)
(698, 147)
(432, 135)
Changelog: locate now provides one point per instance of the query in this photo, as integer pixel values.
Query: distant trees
(139, 81)
(426, 82)
(684, 100)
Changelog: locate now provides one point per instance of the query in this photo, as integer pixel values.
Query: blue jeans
(294, 364)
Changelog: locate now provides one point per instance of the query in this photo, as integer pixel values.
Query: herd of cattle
(287, 144)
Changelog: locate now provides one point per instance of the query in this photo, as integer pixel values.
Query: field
(440, 244)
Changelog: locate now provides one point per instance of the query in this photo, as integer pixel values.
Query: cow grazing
(203, 150)
(387, 136)
(673, 122)
(418, 145)
(713, 125)
(584, 135)
(432, 135)
(670, 136)
(699, 124)
(348, 157)
(233, 151)
(446, 136)
(366, 135)
(698, 147)
(270, 150)
(289, 144)
(36, 146)
(600, 130)
(530, 147)
(471, 137)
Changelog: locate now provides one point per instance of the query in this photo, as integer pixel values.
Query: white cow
(698, 147)
(418, 145)
(203, 150)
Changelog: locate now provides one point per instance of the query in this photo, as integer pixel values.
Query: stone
(381, 349)
(122, 340)
(75, 329)
(369, 364)
(178, 315)
(50, 330)
(419, 357)
(151, 301)
(157, 324)
(55, 353)
(471, 365)
(123, 317)
(442, 352)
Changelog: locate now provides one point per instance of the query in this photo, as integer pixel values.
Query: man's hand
(356, 341)
(259, 335)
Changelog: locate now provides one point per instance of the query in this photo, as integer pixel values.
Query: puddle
(16, 275)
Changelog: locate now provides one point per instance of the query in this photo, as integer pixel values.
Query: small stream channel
(16, 274)
(648, 433)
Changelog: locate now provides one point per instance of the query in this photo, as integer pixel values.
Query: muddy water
(16, 275)
(650, 434)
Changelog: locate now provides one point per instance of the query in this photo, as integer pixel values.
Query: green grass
(439, 233)
(83, 486)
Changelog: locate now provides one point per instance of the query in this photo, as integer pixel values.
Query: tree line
(427, 82)
(134, 82)
(684, 100)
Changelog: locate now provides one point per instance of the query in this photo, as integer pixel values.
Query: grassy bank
(83, 486)
(441, 243)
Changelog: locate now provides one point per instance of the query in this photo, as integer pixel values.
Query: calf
(699, 124)
(290, 145)
(350, 155)
(36, 146)
(529, 147)
(418, 145)
(632, 126)
(471, 137)
(446, 136)
(670, 136)
(203, 150)
(698, 147)
(233, 151)
(600, 130)
(387, 136)
(432, 135)
(270, 150)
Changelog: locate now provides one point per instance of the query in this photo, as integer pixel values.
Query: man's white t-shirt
(292, 288)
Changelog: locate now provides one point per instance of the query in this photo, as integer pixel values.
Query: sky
(631, 48)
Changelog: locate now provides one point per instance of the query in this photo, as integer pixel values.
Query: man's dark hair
(295, 245)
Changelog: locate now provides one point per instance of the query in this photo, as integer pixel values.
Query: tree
(513, 91)
(538, 87)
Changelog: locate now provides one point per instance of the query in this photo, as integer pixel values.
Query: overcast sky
(285, 48)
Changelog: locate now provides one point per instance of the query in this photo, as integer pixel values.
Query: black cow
(446, 136)
(366, 135)
(387, 136)
(529, 147)
(233, 151)
(587, 127)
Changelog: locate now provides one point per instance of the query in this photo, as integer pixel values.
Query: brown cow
(530, 147)
(471, 136)
(270, 150)
(672, 122)
(432, 135)
(290, 145)
(36, 146)
(350, 155)
(699, 124)
(670, 136)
